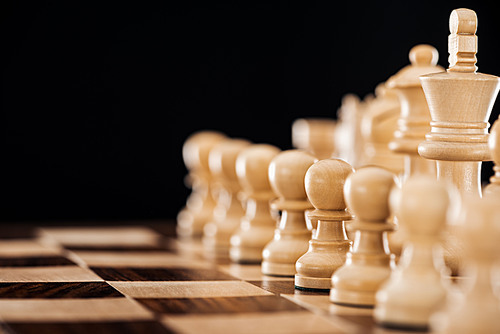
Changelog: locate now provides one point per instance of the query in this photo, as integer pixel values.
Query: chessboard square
(48, 274)
(58, 290)
(103, 236)
(277, 286)
(107, 327)
(220, 305)
(26, 247)
(160, 274)
(277, 322)
(188, 289)
(35, 261)
(137, 259)
(17, 231)
(249, 272)
(72, 310)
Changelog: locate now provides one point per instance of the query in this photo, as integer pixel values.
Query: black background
(98, 97)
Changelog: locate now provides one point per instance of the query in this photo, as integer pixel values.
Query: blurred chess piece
(460, 102)
(314, 135)
(415, 290)
(377, 128)
(493, 189)
(348, 138)
(478, 311)
(291, 238)
(200, 203)
(324, 182)
(370, 262)
(229, 210)
(258, 224)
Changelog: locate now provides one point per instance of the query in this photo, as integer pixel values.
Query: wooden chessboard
(140, 279)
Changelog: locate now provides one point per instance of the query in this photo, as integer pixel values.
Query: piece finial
(462, 42)
(424, 55)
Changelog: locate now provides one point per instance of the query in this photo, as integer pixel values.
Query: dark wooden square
(47, 290)
(161, 274)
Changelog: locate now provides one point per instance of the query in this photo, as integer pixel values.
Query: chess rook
(200, 203)
(291, 238)
(369, 263)
(324, 182)
(258, 224)
(229, 211)
(414, 291)
(460, 102)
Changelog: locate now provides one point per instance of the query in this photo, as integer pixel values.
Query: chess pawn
(324, 182)
(415, 290)
(370, 262)
(314, 135)
(478, 311)
(200, 203)
(291, 238)
(414, 120)
(258, 224)
(460, 102)
(377, 127)
(228, 212)
(493, 189)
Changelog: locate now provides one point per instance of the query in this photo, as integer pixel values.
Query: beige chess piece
(415, 291)
(369, 263)
(229, 211)
(377, 128)
(478, 311)
(324, 182)
(258, 224)
(291, 238)
(414, 120)
(314, 135)
(493, 189)
(348, 139)
(200, 203)
(460, 102)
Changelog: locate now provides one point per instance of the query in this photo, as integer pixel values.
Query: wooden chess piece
(324, 182)
(478, 311)
(258, 224)
(229, 210)
(493, 189)
(415, 290)
(377, 128)
(314, 135)
(291, 238)
(200, 203)
(414, 120)
(348, 138)
(460, 102)
(370, 262)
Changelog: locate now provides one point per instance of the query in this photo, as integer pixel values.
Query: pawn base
(246, 255)
(278, 269)
(352, 298)
(313, 283)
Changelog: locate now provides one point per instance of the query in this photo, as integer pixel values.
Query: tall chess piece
(415, 290)
(200, 203)
(479, 310)
(324, 183)
(348, 139)
(291, 238)
(493, 189)
(414, 119)
(370, 262)
(229, 209)
(258, 224)
(314, 135)
(460, 102)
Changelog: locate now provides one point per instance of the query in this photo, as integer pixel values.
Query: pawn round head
(425, 205)
(197, 147)
(287, 172)
(424, 55)
(324, 183)
(252, 166)
(222, 158)
(367, 193)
